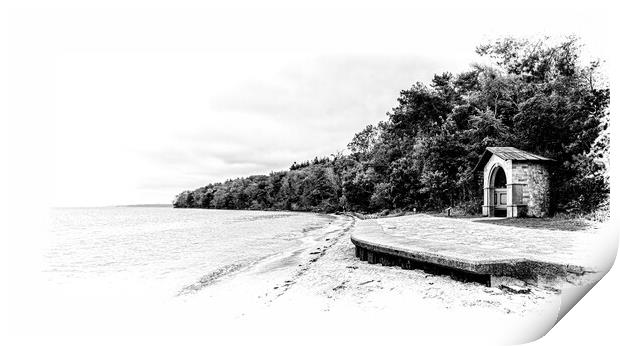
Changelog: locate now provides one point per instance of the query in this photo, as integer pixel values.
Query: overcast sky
(136, 105)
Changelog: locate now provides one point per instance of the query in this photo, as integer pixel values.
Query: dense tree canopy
(536, 96)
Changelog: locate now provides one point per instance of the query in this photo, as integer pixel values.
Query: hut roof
(507, 153)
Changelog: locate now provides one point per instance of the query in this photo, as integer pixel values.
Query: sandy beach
(323, 284)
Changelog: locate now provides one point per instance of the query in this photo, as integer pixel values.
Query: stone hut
(516, 183)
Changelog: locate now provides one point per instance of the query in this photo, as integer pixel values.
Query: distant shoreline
(117, 206)
(145, 205)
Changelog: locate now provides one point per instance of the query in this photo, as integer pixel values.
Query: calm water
(166, 248)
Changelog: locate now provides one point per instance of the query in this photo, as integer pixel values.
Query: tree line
(535, 95)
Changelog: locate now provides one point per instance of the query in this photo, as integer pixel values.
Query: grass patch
(553, 223)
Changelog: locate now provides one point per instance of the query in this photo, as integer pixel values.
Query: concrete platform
(472, 251)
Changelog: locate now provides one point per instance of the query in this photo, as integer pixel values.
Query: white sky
(133, 102)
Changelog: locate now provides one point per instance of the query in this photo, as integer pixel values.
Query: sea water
(160, 250)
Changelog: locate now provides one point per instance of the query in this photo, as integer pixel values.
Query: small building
(516, 183)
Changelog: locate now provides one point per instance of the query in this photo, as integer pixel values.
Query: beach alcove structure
(515, 182)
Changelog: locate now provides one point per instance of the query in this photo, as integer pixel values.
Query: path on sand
(243, 287)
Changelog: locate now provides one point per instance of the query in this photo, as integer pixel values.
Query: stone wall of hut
(531, 188)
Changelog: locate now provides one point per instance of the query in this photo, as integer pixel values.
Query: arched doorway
(514, 182)
(500, 193)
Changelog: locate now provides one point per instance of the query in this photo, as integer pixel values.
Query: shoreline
(562, 222)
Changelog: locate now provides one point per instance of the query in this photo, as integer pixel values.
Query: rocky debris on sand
(340, 287)
(515, 289)
(493, 290)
